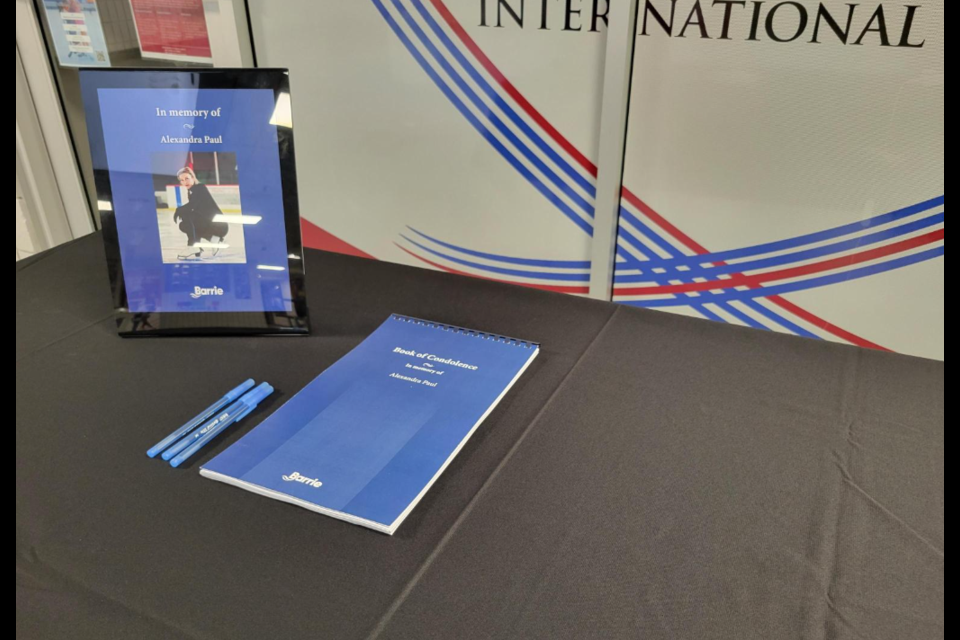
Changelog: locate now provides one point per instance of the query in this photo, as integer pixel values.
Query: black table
(651, 477)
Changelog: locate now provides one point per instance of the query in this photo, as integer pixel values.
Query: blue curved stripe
(509, 157)
(790, 258)
(541, 275)
(708, 314)
(743, 317)
(695, 302)
(649, 232)
(489, 90)
(779, 319)
(583, 265)
(799, 241)
(445, 89)
(704, 298)
(803, 285)
(707, 297)
(561, 184)
(485, 86)
(711, 297)
(565, 167)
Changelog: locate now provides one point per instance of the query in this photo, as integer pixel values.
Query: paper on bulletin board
(77, 33)
(174, 30)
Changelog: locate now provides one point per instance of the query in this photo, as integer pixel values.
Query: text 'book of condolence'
(366, 440)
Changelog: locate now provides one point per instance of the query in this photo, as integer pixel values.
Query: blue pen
(237, 412)
(226, 415)
(226, 400)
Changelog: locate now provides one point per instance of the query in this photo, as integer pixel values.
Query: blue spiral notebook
(366, 440)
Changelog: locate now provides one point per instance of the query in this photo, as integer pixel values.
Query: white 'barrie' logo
(310, 482)
(200, 292)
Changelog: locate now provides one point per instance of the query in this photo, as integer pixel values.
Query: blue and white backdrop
(784, 161)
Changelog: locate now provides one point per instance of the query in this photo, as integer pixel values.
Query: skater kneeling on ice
(196, 217)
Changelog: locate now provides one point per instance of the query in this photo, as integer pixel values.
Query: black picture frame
(198, 323)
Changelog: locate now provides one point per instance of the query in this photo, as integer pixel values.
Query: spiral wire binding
(525, 344)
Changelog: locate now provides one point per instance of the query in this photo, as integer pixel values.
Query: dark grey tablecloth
(651, 477)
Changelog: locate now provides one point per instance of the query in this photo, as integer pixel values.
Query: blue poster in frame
(196, 182)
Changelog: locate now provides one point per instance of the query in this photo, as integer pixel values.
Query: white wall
(22, 236)
(24, 244)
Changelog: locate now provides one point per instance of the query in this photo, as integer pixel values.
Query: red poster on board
(172, 30)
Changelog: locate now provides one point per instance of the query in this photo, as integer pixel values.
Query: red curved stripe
(825, 325)
(759, 280)
(316, 238)
(629, 196)
(542, 287)
(502, 80)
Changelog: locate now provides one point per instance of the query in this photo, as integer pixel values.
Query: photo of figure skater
(196, 218)
(199, 212)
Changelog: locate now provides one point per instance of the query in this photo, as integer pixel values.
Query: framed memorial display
(197, 189)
